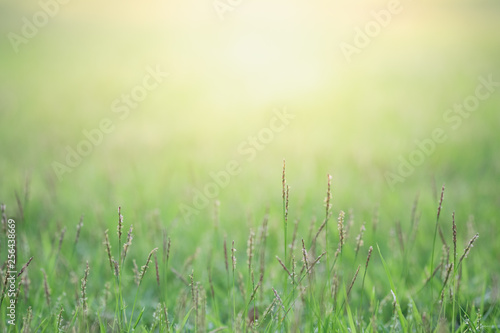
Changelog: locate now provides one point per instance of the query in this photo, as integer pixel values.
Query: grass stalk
(143, 272)
(434, 238)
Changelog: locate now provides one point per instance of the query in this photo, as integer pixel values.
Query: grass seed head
(352, 281)
(467, 249)
(445, 258)
(210, 282)
(340, 227)
(164, 234)
(241, 285)
(137, 274)
(78, 229)
(46, 287)
(328, 198)
(127, 243)
(335, 288)
(440, 202)
(27, 320)
(305, 257)
(61, 238)
(370, 250)
(233, 257)
(145, 267)
(479, 325)
(359, 238)
(191, 278)
(283, 181)
(157, 271)
(269, 308)
(24, 267)
(448, 271)
(4, 218)
(84, 289)
(116, 267)
(294, 237)
(284, 267)
(316, 261)
(108, 250)
(120, 224)
(168, 249)
(262, 241)
(165, 315)
(454, 228)
(287, 201)
(26, 283)
(278, 298)
(252, 296)
(179, 276)
(400, 236)
(225, 255)
(250, 248)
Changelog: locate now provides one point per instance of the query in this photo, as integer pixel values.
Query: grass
(195, 296)
(276, 249)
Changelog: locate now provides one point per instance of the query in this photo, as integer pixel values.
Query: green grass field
(182, 113)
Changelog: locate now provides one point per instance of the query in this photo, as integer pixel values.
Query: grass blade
(393, 288)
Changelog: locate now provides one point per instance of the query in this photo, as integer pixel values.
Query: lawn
(249, 166)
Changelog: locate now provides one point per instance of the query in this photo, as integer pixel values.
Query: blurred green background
(353, 119)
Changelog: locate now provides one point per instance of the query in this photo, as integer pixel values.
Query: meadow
(247, 166)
